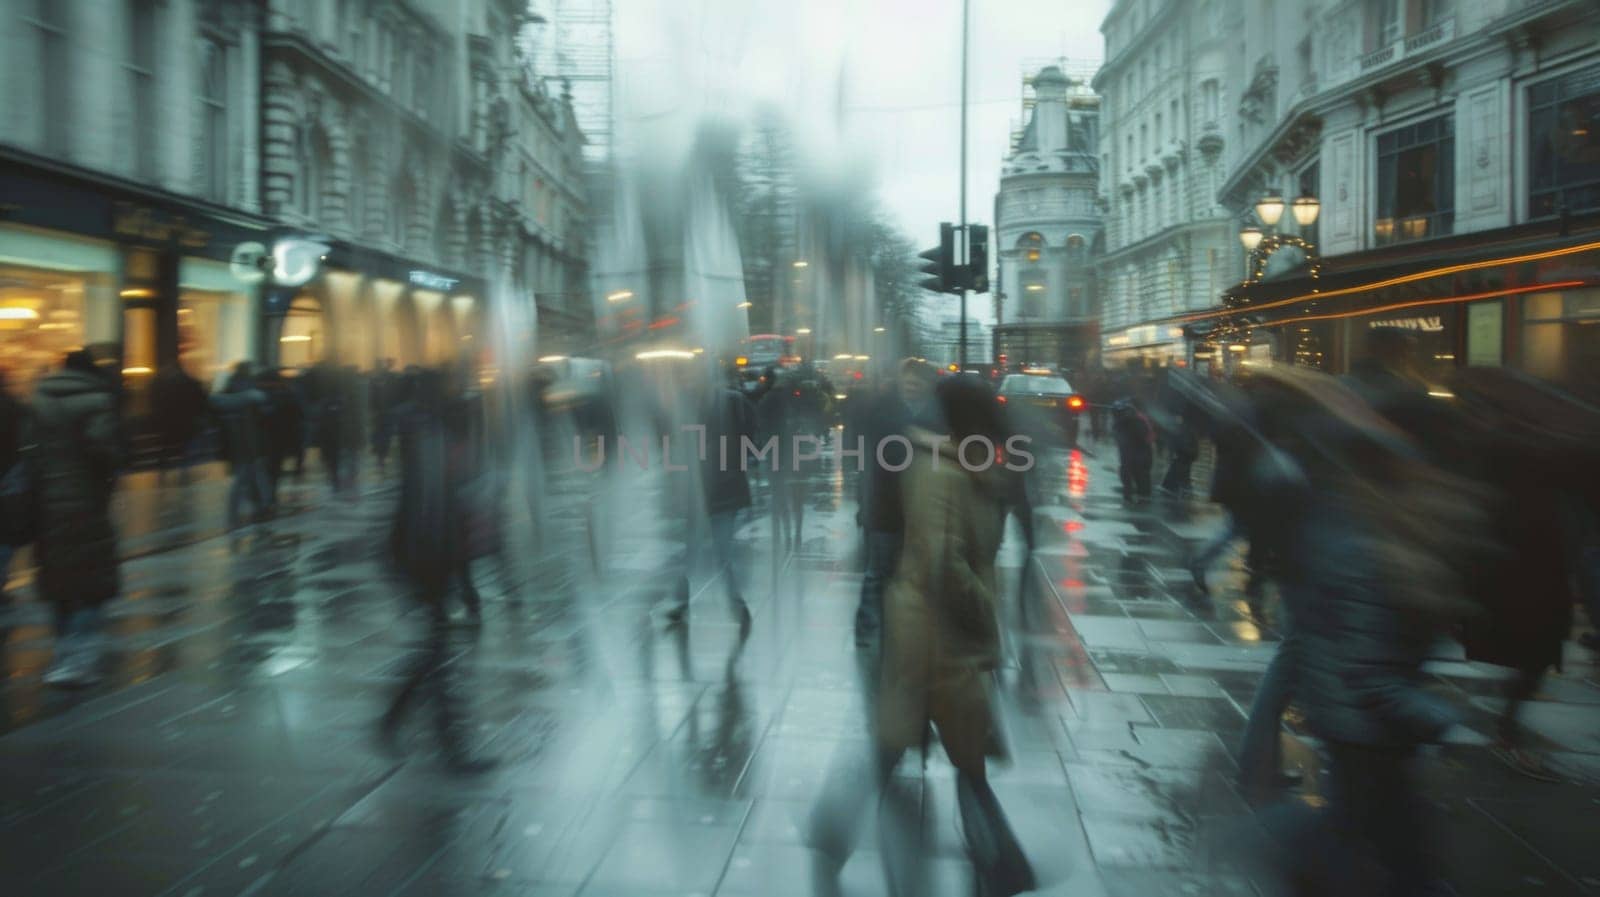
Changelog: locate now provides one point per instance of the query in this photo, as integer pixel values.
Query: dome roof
(1050, 74)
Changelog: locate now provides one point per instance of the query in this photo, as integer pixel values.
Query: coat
(77, 433)
(726, 484)
(1358, 651)
(242, 411)
(942, 632)
(426, 538)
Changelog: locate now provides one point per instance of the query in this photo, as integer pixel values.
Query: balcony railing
(1423, 40)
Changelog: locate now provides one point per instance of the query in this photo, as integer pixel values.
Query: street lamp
(1269, 209)
(744, 305)
(1250, 236)
(802, 263)
(804, 331)
(879, 329)
(1306, 209)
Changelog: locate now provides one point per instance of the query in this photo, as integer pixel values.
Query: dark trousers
(1135, 473)
(1377, 812)
(427, 679)
(1178, 473)
(883, 553)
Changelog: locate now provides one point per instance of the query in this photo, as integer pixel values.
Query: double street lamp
(1269, 211)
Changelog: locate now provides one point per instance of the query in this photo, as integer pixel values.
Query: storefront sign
(155, 226)
(1434, 324)
(432, 281)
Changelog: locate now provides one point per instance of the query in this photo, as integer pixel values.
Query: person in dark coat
(724, 491)
(77, 432)
(1136, 446)
(284, 424)
(179, 405)
(909, 402)
(792, 411)
(383, 391)
(13, 414)
(242, 410)
(427, 548)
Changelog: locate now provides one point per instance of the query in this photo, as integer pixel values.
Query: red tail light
(1075, 403)
(857, 375)
(1000, 399)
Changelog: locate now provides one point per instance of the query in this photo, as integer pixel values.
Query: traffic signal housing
(940, 263)
(978, 258)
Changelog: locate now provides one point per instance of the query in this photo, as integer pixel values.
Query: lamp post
(1261, 242)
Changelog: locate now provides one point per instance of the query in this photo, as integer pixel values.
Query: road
(231, 751)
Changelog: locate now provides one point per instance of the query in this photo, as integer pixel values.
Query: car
(1037, 403)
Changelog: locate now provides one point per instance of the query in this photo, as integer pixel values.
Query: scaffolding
(1080, 72)
(585, 57)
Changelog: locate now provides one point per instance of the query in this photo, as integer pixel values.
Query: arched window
(1031, 245)
(316, 169)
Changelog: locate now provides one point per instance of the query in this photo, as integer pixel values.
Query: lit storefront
(364, 306)
(138, 276)
(1526, 297)
(1148, 346)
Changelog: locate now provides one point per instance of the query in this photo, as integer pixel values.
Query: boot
(1002, 869)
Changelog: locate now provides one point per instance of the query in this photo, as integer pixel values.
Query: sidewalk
(231, 753)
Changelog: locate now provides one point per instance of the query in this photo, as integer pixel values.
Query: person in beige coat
(942, 639)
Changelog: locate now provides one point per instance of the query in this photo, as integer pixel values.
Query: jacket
(426, 538)
(76, 429)
(1359, 651)
(942, 633)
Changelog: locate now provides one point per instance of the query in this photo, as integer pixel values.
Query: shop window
(42, 318)
(1485, 333)
(1416, 181)
(1561, 337)
(304, 339)
(1564, 137)
(211, 332)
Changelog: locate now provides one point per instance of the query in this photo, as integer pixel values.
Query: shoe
(1525, 763)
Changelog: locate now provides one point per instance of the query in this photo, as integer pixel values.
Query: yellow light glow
(879, 329)
(863, 358)
(839, 396)
(741, 361)
(13, 313)
(551, 359)
(654, 354)
(619, 296)
(137, 293)
(802, 263)
(295, 338)
(842, 357)
(744, 305)
(138, 370)
(803, 331)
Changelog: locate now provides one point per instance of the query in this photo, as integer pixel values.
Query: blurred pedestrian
(426, 542)
(1136, 446)
(793, 412)
(77, 434)
(941, 640)
(178, 405)
(242, 411)
(13, 420)
(724, 494)
(885, 437)
(284, 425)
(383, 391)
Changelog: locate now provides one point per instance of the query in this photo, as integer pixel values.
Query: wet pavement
(232, 750)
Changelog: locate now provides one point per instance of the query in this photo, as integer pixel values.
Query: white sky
(900, 61)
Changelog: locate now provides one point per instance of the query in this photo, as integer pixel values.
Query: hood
(72, 392)
(994, 478)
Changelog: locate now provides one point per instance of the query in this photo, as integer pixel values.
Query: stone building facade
(1168, 88)
(1048, 230)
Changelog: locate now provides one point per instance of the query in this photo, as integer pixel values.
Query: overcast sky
(898, 62)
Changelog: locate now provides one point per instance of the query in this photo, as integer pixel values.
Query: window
(355, 30)
(1436, 11)
(1387, 22)
(400, 210)
(53, 75)
(357, 204)
(1210, 99)
(213, 155)
(1564, 138)
(1129, 158)
(1416, 181)
(1177, 130)
(140, 65)
(1161, 133)
(1144, 142)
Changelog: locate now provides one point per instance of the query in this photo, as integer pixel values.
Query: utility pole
(966, 22)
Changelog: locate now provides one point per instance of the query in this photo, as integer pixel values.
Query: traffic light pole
(966, 248)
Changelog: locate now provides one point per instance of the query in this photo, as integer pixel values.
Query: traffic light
(978, 258)
(941, 263)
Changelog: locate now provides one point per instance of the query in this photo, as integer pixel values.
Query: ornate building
(1165, 124)
(1048, 230)
(128, 175)
(436, 167)
(1454, 150)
